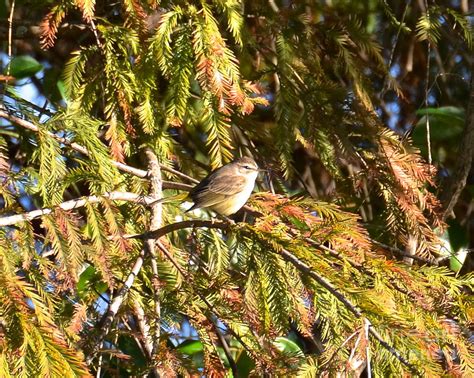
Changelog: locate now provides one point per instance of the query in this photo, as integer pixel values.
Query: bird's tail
(177, 197)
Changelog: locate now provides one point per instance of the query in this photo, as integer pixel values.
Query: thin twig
(96, 34)
(428, 129)
(465, 154)
(10, 35)
(180, 226)
(427, 86)
(227, 351)
(349, 338)
(399, 252)
(7, 76)
(352, 358)
(394, 45)
(25, 103)
(367, 348)
(77, 147)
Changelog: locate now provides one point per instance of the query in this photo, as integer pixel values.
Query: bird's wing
(216, 188)
(227, 184)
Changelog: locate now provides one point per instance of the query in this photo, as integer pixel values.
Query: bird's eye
(247, 167)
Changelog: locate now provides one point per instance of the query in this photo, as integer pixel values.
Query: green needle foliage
(334, 268)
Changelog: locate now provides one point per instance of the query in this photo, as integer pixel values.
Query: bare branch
(114, 306)
(144, 328)
(74, 204)
(367, 327)
(77, 147)
(155, 223)
(289, 257)
(81, 202)
(10, 28)
(180, 226)
(450, 196)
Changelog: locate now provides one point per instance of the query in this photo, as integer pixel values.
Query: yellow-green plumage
(225, 190)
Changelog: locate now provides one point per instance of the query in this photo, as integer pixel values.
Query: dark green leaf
(24, 66)
(445, 123)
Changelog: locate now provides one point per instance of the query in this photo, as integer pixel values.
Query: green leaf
(459, 240)
(24, 66)
(287, 346)
(88, 279)
(194, 349)
(51, 82)
(457, 259)
(62, 89)
(445, 123)
(190, 347)
(298, 223)
(458, 236)
(244, 364)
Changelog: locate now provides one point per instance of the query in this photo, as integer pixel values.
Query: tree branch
(289, 257)
(81, 202)
(155, 223)
(223, 225)
(77, 147)
(450, 196)
(144, 329)
(75, 204)
(302, 267)
(106, 322)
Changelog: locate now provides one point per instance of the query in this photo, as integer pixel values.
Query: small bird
(226, 189)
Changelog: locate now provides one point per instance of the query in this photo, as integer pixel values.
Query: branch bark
(75, 204)
(450, 196)
(300, 265)
(81, 202)
(105, 323)
(155, 223)
(77, 147)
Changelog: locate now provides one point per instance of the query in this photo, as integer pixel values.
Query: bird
(224, 190)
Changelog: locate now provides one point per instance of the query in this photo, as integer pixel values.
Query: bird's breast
(234, 203)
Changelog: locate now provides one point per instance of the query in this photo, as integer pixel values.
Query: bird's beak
(262, 170)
